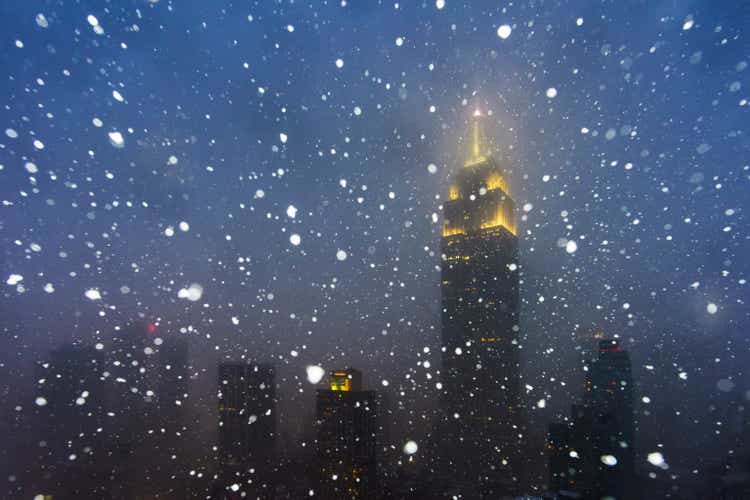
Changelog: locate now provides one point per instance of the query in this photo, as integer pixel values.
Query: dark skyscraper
(147, 377)
(134, 426)
(609, 395)
(593, 454)
(172, 372)
(346, 425)
(172, 411)
(571, 455)
(480, 305)
(72, 448)
(247, 430)
(112, 422)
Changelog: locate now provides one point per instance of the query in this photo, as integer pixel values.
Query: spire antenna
(477, 143)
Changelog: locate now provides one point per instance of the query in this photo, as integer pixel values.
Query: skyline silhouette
(268, 183)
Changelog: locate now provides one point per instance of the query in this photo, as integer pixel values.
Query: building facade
(593, 454)
(247, 430)
(481, 400)
(346, 431)
(72, 450)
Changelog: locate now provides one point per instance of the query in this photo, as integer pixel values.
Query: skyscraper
(593, 454)
(481, 453)
(72, 448)
(346, 425)
(609, 394)
(108, 418)
(247, 430)
(175, 435)
(134, 426)
(571, 455)
(172, 371)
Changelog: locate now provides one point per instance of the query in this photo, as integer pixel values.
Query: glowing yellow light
(453, 192)
(340, 381)
(459, 257)
(477, 141)
(501, 218)
(496, 181)
(452, 231)
(476, 138)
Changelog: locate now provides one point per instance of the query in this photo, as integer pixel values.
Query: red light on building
(609, 346)
(151, 328)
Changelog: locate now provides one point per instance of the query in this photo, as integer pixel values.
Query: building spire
(477, 140)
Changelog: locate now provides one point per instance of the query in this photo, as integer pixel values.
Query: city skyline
(266, 183)
(480, 431)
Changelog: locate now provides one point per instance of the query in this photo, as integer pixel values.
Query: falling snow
(185, 186)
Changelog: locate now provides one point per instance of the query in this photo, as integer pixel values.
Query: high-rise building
(72, 448)
(592, 455)
(481, 452)
(609, 395)
(111, 420)
(247, 430)
(172, 371)
(346, 427)
(133, 448)
(147, 374)
(176, 436)
(571, 455)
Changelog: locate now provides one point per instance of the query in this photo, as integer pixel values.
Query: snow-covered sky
(265, 178)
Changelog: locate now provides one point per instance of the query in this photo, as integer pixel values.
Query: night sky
(622, 126)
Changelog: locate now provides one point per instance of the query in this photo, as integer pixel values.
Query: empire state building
(481, 433)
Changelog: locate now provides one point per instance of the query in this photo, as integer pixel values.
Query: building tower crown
(478, 198)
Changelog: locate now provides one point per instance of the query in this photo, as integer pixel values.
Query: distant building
(728, 479)
(71, 412)
(172, 402)
(592, 455)
(172, 371)
(346, 428)
(571, 455)
(482, 452)
(247, 430)
(147, 380)
(109, 419)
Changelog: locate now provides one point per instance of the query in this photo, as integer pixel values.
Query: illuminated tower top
(345, 380)
(479, 198)
(478, 141)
